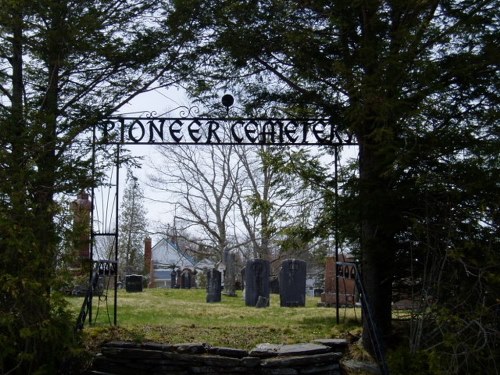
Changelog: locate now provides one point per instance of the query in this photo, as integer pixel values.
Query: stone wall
(321, 357)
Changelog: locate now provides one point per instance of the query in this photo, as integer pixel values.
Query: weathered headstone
(133, 283)
(257, 282)
(214, 286)
(187, 279)
(230, 274)
(292, 283)
(173, 279)
(346, 280)
(178, 283)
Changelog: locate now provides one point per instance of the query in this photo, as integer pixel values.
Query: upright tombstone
(346, 275)
(214, 286)
(230, 274)
(178, 275)
(173, 279)
(292, 283)
(257, 283)
(133, 283)
(187, 279)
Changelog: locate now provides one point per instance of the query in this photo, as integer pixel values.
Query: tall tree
(272, 204)
(387, 71)
(200, 182)
(63, 66)
(132, 229)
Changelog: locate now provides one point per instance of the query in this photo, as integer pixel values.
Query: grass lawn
(182, 315)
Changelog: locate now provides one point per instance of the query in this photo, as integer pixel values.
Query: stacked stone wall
(319, 358)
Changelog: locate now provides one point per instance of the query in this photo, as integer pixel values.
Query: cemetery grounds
(183, 315)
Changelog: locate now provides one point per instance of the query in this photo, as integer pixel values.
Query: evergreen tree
(132, 230)
(64, 65)
(417, 83)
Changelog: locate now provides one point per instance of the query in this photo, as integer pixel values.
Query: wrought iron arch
(187, 129)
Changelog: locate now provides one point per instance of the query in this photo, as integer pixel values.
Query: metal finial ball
(227, 100)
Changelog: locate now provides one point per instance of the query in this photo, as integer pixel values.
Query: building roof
(166, 254)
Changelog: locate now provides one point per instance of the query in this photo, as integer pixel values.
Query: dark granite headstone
(293, 283)
(173, 279)
(178, 283)
(230, 274)
(186, 279)
(257, 282)
(133, 283)
(214, 286)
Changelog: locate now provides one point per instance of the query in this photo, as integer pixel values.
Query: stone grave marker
(230, 274)
(292, 283)
(257, 282)
(214, 286)
(173, 279)
(186, 279)
(133, 283)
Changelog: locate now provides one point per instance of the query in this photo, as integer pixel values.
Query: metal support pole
(92, 233)
(337, 311)
(116, 233)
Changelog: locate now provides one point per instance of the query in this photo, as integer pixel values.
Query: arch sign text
(210, 131)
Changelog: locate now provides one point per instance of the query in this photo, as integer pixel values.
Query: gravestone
(292, 283)
(214, 286)
(133, 283)
(173, 279)
(346, 275)
(187, 279)
(230, 274)
(178, 282)
(257, 282)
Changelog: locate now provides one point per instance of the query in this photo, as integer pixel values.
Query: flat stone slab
(301, 360)
(336, 344)
(272, 350)
(228, 352)
(191, 348)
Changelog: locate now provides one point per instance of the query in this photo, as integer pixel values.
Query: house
(168, 266)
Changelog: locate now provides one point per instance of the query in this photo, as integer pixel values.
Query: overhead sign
(210, 131)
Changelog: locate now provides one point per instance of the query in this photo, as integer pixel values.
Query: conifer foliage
(417, 82)
(132, 229)
(64, 65)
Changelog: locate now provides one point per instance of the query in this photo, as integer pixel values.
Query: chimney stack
(148, 253)
(82, 207)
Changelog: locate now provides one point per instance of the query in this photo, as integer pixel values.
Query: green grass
(182, 315)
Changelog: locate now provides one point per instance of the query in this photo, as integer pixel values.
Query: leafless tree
(200, 181)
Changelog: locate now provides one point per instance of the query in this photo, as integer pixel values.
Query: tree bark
(378, 243)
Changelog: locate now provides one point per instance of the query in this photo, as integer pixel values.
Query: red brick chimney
(148, 253)
(81, 222)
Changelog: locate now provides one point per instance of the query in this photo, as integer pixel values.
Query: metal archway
(119, 131)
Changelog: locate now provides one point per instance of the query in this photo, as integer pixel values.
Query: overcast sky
(160, 101)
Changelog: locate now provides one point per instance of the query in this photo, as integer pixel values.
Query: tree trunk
(377, 234)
